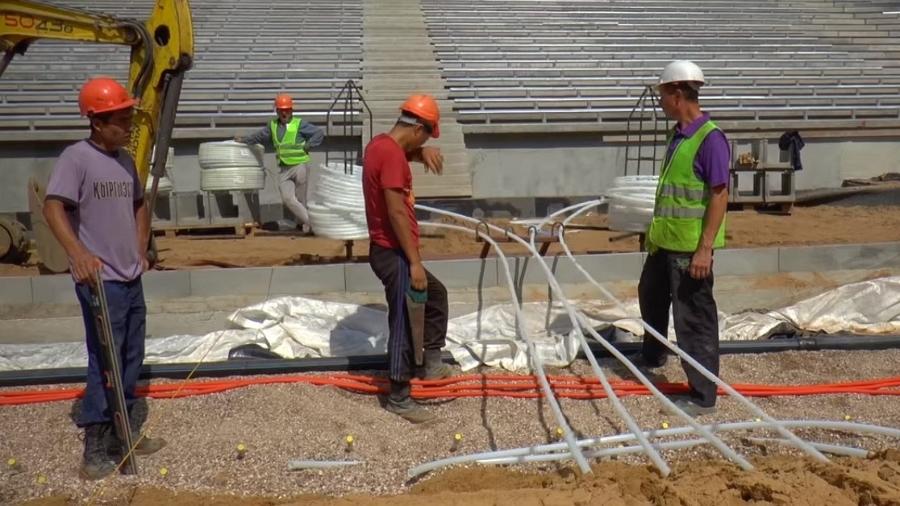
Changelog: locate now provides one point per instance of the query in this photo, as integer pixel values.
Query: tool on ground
(112, 370)
(415, 310)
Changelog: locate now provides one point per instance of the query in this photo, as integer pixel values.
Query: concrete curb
(455, 274)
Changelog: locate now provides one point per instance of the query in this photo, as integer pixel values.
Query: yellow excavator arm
(162, 50)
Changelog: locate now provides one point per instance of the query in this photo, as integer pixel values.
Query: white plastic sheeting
(299, 327)
(295, 327)
(867, 307)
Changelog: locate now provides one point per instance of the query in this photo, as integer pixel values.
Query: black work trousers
(392, 268)
(665, 281)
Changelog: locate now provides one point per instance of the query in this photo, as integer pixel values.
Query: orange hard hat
(284, 101)
(103, 94)
(424, 107)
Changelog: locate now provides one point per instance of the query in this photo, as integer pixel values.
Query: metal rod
(114, 389)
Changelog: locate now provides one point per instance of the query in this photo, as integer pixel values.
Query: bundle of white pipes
(337, 209)
(631, 200)
(579, 322)
(231, 166)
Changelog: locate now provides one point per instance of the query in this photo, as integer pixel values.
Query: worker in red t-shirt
(394, 248)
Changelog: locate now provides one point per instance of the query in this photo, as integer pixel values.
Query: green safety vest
(287, 149)
(681, 199)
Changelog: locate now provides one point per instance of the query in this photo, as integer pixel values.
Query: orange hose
(469, 385)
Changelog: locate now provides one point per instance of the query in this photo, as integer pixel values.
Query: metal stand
(350, 98)
(761, 169)
(642, 146)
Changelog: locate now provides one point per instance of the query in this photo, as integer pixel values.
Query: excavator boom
(162, 50)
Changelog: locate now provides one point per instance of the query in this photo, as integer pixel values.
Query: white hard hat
(681, 71)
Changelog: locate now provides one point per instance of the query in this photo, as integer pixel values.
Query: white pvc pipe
(606, 452)
(632, 425)
(669, 445)
(728, 452)
(582, 323)
(543, 221)
(848, 451)
(655, 433)
(580, 207)
(690, 360)
(297, 465)
(536, 358)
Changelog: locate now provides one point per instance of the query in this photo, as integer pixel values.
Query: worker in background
(394, 248)
(95, 208)
(291, 137)
(688, 225)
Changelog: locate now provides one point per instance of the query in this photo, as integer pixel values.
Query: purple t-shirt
(714, 156)
(100, 191)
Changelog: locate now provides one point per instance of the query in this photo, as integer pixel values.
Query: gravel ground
(282, 422)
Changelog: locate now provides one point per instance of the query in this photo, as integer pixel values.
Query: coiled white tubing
(232, 179)
(231, 166)
(225, 154)
(337, 209)
(631, 201)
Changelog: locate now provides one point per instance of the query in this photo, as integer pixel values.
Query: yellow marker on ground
(560, 432)
(848, 418)
(163, 471)
(41, 479)
(11, 462)
(348, 441)
(457, 439)
(665, 425)
(241, 450)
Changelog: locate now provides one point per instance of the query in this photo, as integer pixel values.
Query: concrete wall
(826, 164)
(20, 161)
(506, 166)
(456, 274)
(582, 165)
(542, 165)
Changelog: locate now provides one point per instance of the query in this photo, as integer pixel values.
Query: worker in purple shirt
(95, 208)
(688, 224)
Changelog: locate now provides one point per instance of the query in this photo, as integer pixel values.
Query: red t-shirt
(385, 166)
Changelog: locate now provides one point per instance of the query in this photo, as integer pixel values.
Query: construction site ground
(824, 224)
(278, 423)
(289, 421)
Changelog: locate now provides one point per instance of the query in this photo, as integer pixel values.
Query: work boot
(400, 403)
(693, 409)
(143, 446)
(642, 362)
(96, 463)
(434, 368)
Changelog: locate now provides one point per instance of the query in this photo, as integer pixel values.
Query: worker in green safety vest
(292, 138)
(688, 224)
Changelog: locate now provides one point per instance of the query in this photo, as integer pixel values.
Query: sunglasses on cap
(414, 120)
